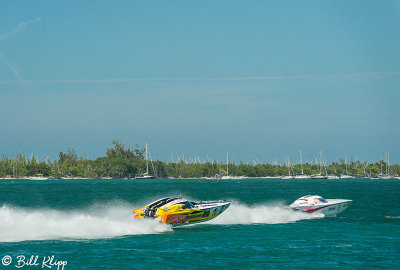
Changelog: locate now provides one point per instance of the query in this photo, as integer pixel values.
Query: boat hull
(302, 176)
(319, 177)
(39, 178)
(179, 214)
(332, 208)
(145, 177)
(196, 216)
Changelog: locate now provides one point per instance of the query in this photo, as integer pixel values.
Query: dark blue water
(88, 224)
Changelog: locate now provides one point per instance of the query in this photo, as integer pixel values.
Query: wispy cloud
(12, 68)
(370, 75)
(21, 27)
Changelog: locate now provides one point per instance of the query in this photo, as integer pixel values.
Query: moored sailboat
(225, 176)
(39, 177)
(302, 175)
(387, 175)
(146, 174)
(319, 176)
(289, 176)
(346, 176)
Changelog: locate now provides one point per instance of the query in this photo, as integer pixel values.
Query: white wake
(115, 220)
(272, 213)
(96, 222)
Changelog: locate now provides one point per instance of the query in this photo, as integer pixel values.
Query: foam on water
(96, 222)
(115, 220)
(272, 213)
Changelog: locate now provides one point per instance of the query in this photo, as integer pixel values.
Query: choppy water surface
(89, 224)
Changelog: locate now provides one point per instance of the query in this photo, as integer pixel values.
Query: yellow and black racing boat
(179, 211)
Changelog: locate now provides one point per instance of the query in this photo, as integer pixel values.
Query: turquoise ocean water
(89, 224)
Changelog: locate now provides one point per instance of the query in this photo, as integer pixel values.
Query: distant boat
(319, 176)
(289, 176)
(386, 175)
(333, 177)
(39, 177)
(146, 174)
(346, 176)
(302, 175)
(227, 176)
(217, 177)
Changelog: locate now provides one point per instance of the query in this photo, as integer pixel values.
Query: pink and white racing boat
(317, 204)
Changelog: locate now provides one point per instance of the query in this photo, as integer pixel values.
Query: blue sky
(258, 79)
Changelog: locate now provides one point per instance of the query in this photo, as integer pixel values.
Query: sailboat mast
(227, 163)
(320, 162)
(147, 162)
(387, 164)
(301, 162)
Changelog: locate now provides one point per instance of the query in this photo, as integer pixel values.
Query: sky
(260, 80)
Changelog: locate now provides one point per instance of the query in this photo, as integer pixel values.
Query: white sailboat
(289, 176)
(332, 176)
(39, 177)
(386, 175)
(302, 175)
(346, 176)
(227, 176)
(319, 176)
(146, 174)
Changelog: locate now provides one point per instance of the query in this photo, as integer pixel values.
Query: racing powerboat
(317, 204)
(179, 211)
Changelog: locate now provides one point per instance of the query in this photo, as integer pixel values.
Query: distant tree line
(123, 162)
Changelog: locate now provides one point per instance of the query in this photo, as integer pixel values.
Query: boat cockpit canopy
(312, 198)
(187, 205)
(171, 201)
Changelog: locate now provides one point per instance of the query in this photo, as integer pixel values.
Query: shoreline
(188, 178)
